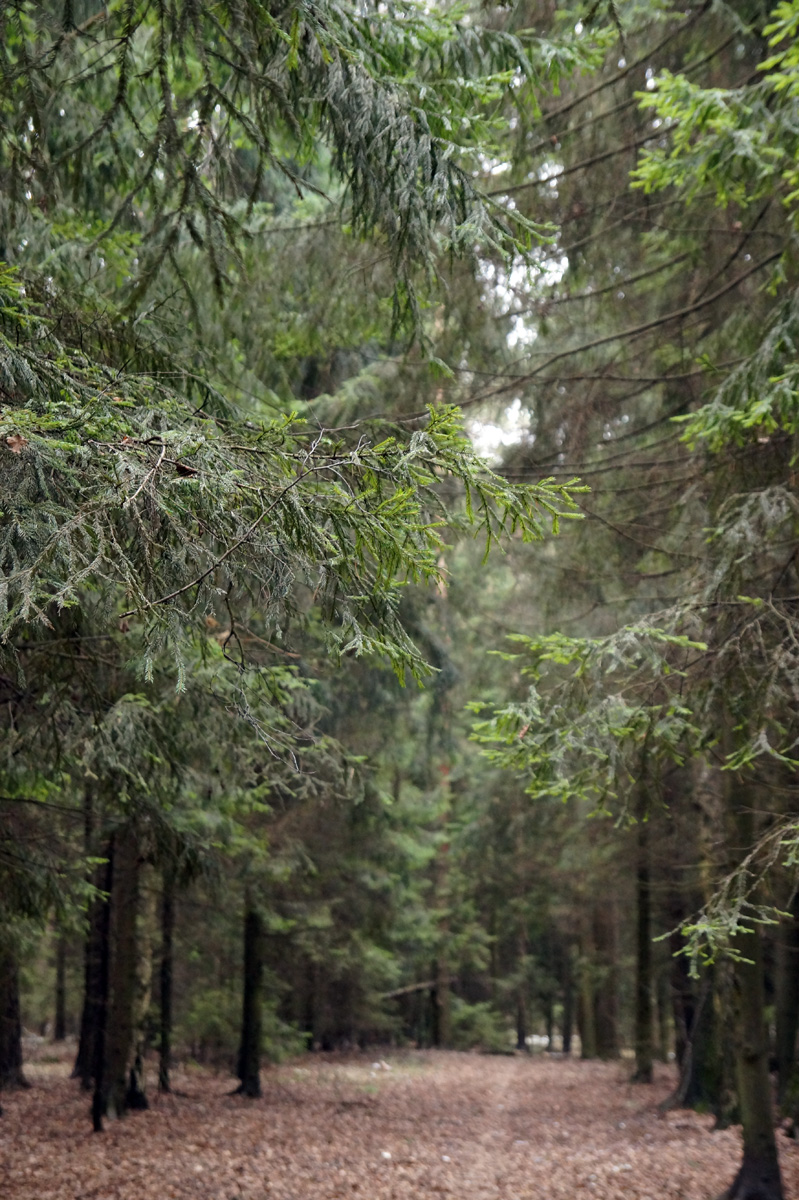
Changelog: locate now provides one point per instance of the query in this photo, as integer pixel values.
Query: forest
(399, 617)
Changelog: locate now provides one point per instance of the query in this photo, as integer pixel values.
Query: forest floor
(429, 1124)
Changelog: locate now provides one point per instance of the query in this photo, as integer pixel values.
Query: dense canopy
(304, 309)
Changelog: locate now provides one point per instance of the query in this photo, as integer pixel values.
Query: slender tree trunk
(441, 1008)
(120, 1030)
(60, 1023)
(759, 1176)
(167, 936)
(249, 1064)
(644, 1047)
(568, 1000)
(521, 1021)
(662, 998)
(440, 994)
(95, 960)
(146, 920)
(11, 1073)
(787, 1010)
(586, 1001)
(521, 992)
(605, 995)
(101, 967)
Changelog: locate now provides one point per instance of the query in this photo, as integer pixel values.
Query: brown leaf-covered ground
(433, 1125)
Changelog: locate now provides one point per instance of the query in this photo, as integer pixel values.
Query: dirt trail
(434, 1125)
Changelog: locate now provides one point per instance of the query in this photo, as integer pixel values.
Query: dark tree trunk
(605, 994)
(521, 1021)
(95, 960)
(249, 1065)
(521, 993)
(644, 1050)
(441, 1006)
(586, 1004)
(120, 1087)
(759, 1176)
(697, 1040)
(11, 1073)
(568, 1001)
(441, 1024)
(167, 935)
(95, 979)
(787, 1010)
(101, 975)
(60, 1023)
(663, 1003)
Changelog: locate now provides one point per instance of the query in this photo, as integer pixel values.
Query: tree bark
(568, 1000)
(249, 1064)
(119, 1035)
(759, 1176)
(11, 1073)
(101, 974)
(441, 1004)
(787, 1010)
(146, 920)
(521, 992)
(521, 1021)
(605, 995)
(167, 937)
(60, 1022)
(662, 999)
(586, 1006)
(644, 1039)
(95, 955)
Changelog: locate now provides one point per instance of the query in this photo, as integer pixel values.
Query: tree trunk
(440, 994)
(568, 1000)
(787, 1010)
(441, 1004)
(644, 1049)
(119, 1034)
(521, 1021)
(95, 978)
(11, 1073)
(249, 1064)
(167, 937)
(521, 992)
(60, 1022)
(95, 960)
(605, 994)
(101, 975)
(146, 920)
(550, 1023)
(586, 1006)
(662, 1002)
(759, 1176)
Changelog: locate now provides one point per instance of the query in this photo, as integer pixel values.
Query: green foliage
(111, 482)
(479, 1027)
(174, 126)
(724, 139)
(588, 732)
(210, 1029)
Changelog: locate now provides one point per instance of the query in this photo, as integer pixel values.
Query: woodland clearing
(431, 1124)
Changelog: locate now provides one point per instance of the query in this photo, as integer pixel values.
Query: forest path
(467, 1126)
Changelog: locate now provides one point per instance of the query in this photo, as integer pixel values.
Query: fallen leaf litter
(435, 1125)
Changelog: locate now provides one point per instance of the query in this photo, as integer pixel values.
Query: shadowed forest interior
(399, 530)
